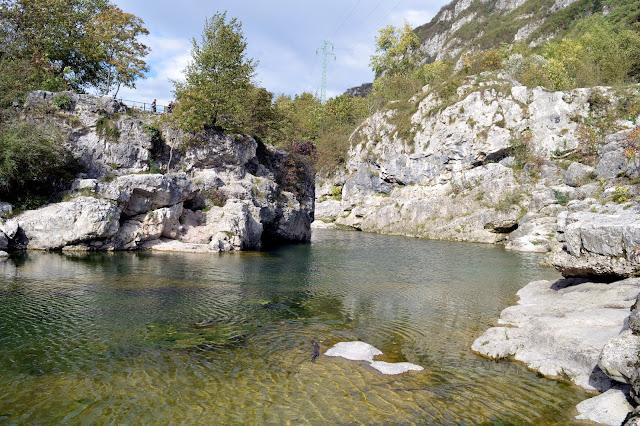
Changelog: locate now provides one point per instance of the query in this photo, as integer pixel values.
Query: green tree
(218, 78)
(114, 44)
(54, 44)
(394, 47)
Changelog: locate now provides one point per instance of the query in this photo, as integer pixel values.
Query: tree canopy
(75, 44)
(394, 47)
(217, 82)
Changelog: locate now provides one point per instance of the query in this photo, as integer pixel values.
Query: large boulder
(610, 408)
(577, 174)
(599, 245)
(620, 357)
(68, 223)
(137, 194)
(152, 225)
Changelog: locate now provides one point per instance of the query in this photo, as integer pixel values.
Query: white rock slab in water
(361, 351)
(394, 367)
(610, 408)
(355, 351)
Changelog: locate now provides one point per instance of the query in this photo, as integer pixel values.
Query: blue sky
(282, 35)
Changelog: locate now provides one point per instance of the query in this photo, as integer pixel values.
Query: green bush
(34, 164)
(62, 101)
(562, 198)
(105, 127)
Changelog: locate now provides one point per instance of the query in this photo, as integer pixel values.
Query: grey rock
(610, 408)
(634, 318)
(619, 357)
(4, 241)
(5, 209)
(633, 418)
(598, 244)
(137, 194)
(577, 174)
(69, 223)
(134, 232)
(328, 210)
(611, 165)
(504, 222)
(3, 255)
(559, 328)
(535, 233)
(9, 228)
(590, 190)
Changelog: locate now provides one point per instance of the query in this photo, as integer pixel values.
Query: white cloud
(414, 17)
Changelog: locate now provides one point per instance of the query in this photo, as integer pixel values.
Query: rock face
(447, 36)
(219, 192)
(457, 174)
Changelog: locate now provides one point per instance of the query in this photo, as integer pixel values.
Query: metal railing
(145, 106)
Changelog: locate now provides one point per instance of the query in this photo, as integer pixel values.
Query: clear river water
(179, 338)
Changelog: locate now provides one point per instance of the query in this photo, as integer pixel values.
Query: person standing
(153, 106)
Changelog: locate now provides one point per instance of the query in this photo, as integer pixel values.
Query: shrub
(621, 194)
(217, 197)
(34, 164)
(562, 198)
(105, 127)
(521, 149)
(62, 101)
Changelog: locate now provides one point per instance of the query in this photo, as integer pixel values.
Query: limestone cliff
(208, 192)
(499, 164)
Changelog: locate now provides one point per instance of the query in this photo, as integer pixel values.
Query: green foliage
(562, 198)
(33, 163)
(107, 128)
(62, 101)
(394, 47)
(217, 82)
(55, 44)
(336, 193)
(521, 150)
(116, 47)
(153, 131)
(216, 197)
(621, 194)
(509, 200)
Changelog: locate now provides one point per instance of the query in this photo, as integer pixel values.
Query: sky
(282, 35)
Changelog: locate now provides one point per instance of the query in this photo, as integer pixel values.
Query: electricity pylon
(325, 52)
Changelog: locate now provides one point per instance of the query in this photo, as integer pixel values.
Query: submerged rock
(355, 351)
(361, 351)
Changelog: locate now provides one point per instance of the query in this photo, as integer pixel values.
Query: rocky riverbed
(154, 187)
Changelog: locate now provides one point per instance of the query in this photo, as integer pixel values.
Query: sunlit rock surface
(361, 351)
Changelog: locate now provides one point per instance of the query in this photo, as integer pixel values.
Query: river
(150, 338)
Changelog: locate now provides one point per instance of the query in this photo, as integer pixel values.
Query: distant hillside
(472, 25)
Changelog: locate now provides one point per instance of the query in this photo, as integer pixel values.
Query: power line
(346, 17)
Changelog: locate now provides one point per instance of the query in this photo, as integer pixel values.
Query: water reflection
(95, 337)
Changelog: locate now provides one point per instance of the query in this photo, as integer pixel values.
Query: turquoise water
(141, 338)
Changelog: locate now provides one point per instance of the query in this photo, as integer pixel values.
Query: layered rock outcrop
(214, 192)
(492, 167)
